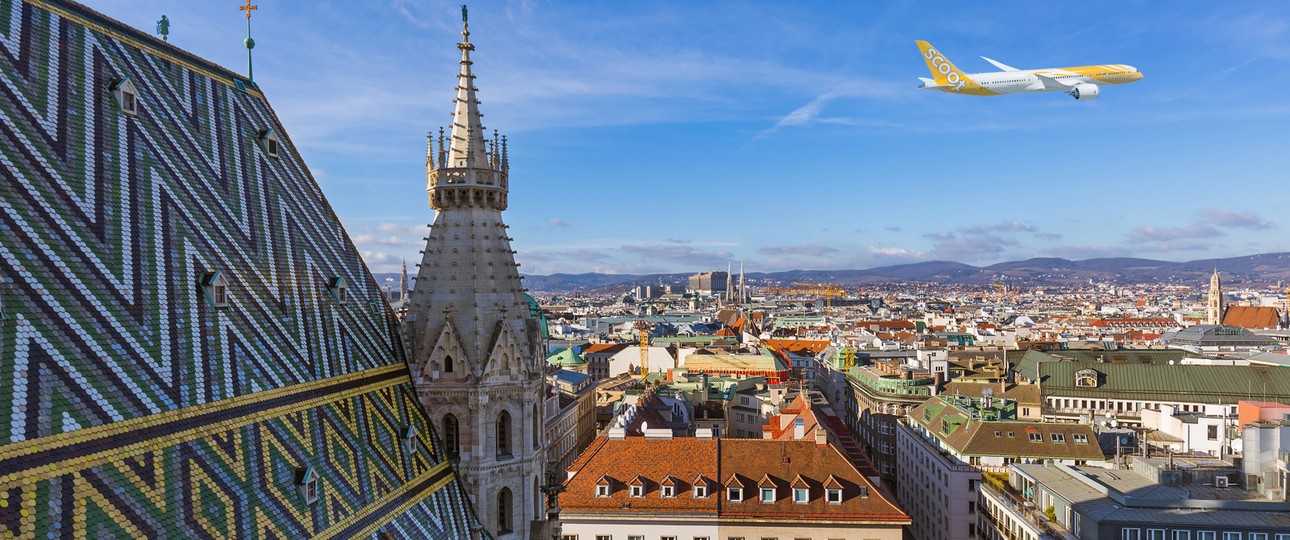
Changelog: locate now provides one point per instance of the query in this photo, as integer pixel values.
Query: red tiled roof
(814, 346)
(1253, 317)
(745, 463)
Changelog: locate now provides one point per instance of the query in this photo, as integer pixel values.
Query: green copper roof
(566, 357)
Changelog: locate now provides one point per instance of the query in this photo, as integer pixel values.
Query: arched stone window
(504, 434)
(504, 519)
(447, 364)
(451, 435)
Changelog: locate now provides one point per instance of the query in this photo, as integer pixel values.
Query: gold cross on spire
(248, 8)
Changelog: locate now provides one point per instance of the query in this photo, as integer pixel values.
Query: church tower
(1215, 299)
(475, 346)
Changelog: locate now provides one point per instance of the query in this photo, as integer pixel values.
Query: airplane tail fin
(943, 71)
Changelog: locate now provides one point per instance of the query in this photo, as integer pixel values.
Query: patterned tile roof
(144, 400)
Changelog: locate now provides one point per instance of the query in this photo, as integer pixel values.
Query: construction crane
(642, 332)
(827, 290)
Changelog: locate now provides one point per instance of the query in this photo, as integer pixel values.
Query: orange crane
(827, 290)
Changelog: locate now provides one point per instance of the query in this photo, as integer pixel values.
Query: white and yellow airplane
(1080, 82)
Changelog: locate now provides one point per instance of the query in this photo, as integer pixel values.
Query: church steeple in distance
(475, 346)
(1215, 312)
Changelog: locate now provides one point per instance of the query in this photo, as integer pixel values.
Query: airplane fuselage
(1081, 82)
(1028, 82)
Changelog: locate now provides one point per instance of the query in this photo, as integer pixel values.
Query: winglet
(1000, 65)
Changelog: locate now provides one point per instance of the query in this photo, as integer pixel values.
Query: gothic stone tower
(475, 345)
(1215, 299)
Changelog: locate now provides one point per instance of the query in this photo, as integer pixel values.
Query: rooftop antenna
(163, 28)
(250, 43)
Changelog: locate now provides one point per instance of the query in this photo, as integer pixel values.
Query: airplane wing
(1000, 65)
(1053, 84)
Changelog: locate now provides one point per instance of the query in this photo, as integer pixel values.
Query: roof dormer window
(735, 494)
(307, 484)
(125, 95)
(801, 495)
(637, 491)
(214, 287)
(1087, 378)
(268, 141)
(604, 485)
(338, 289)
(834, 495)
(667, 488)
(767, 495)
(409, 438)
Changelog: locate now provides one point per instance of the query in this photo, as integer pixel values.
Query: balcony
(1023, 511)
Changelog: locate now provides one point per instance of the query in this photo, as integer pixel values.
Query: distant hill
(1262, 269)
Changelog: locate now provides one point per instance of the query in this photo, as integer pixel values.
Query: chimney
(821, 436)
(799, 429)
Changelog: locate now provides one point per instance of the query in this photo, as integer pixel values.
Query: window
(635, 537)
(504, 511)
(1036, 436)
(667, 538)
(834, 496)
(1155, 534)
(447, 364)
(1058, 437)
(767, 495)
(864, 491)
(214, 288)
(801, 495)
(1206, 535)
(1080, 438)
(638, 491)
(1256, 536)
(307, 484)
(568, 537)
(1213, 436)
(1231, 536)
(504, 435)
(451, 437)
(409, 437)
(700, 491)
(1130, 534)
(1182, 535)
(971, 507)
(667, 492)
(602, 490)
(734, 494)
(339, 289)
(268, 141)
(604, 537)
(125, 95)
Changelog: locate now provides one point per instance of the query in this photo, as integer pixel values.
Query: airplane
(1082, 82)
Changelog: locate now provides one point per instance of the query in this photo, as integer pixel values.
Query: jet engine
(1085, 91)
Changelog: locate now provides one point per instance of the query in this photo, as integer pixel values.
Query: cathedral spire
(468, 174)
(467, 142)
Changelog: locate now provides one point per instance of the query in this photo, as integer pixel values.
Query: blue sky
(672, 137)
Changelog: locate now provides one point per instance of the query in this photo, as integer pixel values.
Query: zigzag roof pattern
(141, 401)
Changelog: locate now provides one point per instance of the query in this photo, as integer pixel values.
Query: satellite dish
(1124, 440)
(1171, 362)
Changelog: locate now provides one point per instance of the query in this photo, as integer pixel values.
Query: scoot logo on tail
(942, 70)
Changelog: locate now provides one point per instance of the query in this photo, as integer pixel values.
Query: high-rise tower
(1215, 299)
(474, 342)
